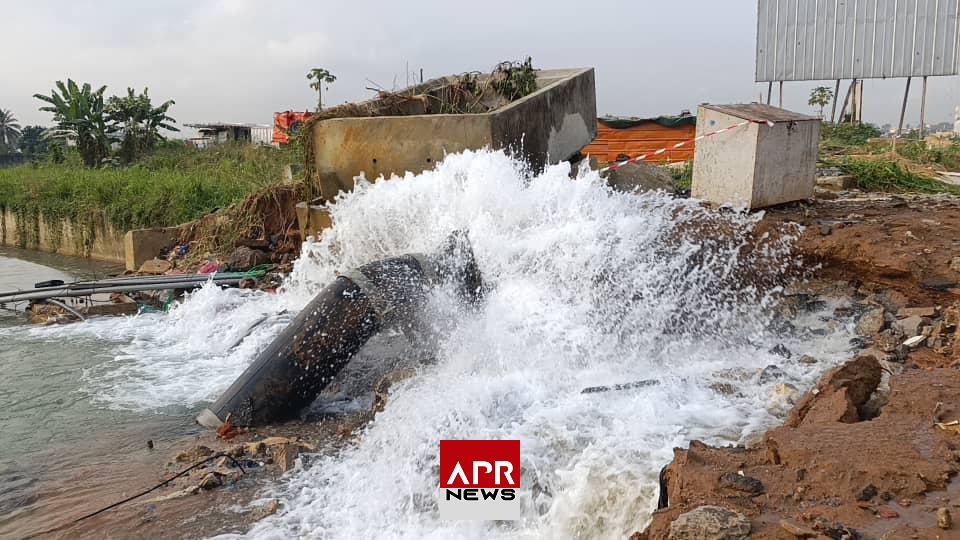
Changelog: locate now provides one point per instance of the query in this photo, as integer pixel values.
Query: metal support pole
(860, 101)
(923, 105)
(781, 94)
(836, 96)
(903, 109)
(846, 100)
(769, 91)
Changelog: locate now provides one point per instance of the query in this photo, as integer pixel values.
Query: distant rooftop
(215, 125)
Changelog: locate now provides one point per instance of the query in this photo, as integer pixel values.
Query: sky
(240, 60)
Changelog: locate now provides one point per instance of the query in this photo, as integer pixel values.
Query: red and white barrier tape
(642, 157)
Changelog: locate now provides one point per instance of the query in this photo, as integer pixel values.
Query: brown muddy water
(62, 453)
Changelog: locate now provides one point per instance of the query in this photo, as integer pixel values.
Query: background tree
(820, 96)
(320, 77)
(80, 117)
(33, 142)
(9, 129)
(138, 122)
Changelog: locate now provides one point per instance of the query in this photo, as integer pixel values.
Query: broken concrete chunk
(285, 455)
(267, 509)
(910, 326)
(155, 266)
(798, 530)
(929, 311)
(710, 523)
(871, 322)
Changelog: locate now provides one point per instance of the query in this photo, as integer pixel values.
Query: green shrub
(846, 134)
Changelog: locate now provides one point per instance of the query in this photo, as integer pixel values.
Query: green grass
(174, 185)
(889, 176)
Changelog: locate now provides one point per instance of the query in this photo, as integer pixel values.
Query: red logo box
(479, 464)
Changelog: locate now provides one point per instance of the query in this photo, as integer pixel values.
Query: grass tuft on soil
(891, 175)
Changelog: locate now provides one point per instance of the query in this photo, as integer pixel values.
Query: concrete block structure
(549, 125)
(755, 165)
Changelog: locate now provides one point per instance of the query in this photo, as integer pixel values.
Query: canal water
(584, 287)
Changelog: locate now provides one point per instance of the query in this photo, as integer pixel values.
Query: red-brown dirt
(838, 468)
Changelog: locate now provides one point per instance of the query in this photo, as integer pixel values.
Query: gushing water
(585, 287)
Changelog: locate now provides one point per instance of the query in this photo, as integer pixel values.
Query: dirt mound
(873, 477)
(265, 221)
(858, 456)
(900, 243)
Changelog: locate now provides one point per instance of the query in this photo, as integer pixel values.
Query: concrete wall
(755, 165)
(723, 165)
(345, 147)
(786, 163)
(547, 126)
(101, 241)
(552, 124)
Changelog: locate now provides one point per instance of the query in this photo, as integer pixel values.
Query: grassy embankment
(173, 185)
(877, 164)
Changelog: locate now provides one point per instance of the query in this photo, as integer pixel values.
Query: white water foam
(587, 287)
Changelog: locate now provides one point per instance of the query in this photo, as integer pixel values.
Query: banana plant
(81, 119)
(139, 122)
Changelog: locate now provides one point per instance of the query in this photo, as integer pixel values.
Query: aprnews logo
(479, 479)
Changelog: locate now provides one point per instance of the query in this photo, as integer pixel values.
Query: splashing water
(587, 287)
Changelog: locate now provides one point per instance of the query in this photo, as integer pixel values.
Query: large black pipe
(311, 351)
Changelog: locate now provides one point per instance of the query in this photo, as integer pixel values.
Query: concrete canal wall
(96, 240)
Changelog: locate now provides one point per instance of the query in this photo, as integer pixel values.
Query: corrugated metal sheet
(612, 143)
(802, 40)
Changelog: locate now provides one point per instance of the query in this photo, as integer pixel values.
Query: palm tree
(320, 76)
(9, 128)
(79, 113)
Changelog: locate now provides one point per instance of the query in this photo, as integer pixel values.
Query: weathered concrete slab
(755, 165)
(549, 125)
(142, 245)
(99, 240)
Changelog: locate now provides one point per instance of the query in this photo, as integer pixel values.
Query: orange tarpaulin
(287, 123)
(613, 144)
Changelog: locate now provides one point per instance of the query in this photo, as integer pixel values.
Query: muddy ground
(873, 450)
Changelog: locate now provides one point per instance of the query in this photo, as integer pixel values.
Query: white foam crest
(587, 287)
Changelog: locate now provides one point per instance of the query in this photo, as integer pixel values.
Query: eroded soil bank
(873, 450)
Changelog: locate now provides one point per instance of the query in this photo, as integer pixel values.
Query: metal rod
(781, 94)
(836, 96)
(923, 105)
(139, 281)
(769, 91)
(903, 109)
(44, 294)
